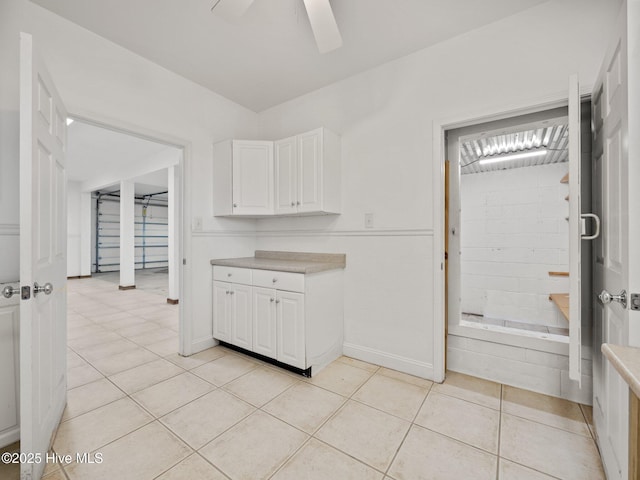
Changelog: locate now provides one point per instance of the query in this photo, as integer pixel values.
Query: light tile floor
(221, 415)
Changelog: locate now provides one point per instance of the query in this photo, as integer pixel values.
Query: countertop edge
(307, 268)
(615, 353)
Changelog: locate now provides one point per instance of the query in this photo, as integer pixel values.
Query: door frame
(439, 145)
(185, 344)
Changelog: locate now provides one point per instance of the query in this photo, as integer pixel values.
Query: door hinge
(634, 301)
(25, 292)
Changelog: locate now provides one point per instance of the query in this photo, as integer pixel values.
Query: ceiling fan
(323, 23)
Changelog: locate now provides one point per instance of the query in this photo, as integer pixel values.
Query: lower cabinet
(301, 328)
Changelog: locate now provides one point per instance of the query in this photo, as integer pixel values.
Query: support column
(174, 235)
(85, 234)
(127, 235)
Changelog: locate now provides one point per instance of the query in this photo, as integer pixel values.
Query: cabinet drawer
(292, 282)
(232, 274)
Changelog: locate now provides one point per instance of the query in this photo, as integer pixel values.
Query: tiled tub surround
(217, 415)
(513, 234)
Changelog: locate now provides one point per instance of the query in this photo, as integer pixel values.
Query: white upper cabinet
(286, 175)
(308, 173)
(243, 178)
(297, 175)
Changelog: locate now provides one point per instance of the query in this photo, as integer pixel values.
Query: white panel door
(613, 106)
(575, 234)
(221, 311)
(290, 328)
(310, 179)
(241, 317)
(264, 321)
(252, 177)
(286, 175)
(43, 251)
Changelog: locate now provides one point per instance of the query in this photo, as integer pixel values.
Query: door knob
(606, 298)
(47, 288)
(9, 291)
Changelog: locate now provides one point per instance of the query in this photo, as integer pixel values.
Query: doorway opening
(508, 230)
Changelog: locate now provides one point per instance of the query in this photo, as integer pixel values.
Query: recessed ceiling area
(269, 55)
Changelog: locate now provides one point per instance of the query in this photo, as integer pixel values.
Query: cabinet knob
(272, 299)
(235, 205)
(229, 274)
(277, 301)
(298, 203)
(293, 204)
(274, 280)
(231, 292)
(227, 292)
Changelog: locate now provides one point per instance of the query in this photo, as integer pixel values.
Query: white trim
(201, 344)
(424, 232)
(9, 229)
(512, 109)
(184, 207)
(389, 360)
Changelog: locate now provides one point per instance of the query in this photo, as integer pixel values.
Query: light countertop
(626, 361)
(295, 262)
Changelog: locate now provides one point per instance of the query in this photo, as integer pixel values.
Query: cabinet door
(264, 321)
(310, 171)
(290, 328)
(285, 164)
(252, 177)
(221, 311)
(241, 317)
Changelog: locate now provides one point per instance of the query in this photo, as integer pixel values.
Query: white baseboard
(389, 360)
(203, 344)
(9, 436)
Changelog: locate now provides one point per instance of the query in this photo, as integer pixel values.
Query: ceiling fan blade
(231, 8)
(323, 24)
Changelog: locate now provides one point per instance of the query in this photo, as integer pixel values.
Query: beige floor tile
(57, 475)
(124, 361)
(82, 375)
(75, 334)
(465, 421)
(197, 359)
(254, 448)
(200, 421)
(369, 367)
(104, 350)
(140, 455)
(126, 322)
(305, 406)
(550, 450)
(393, 396)
(105, 320)
(512, 471)
(224, 369)
(420, 382)
(88, 397)
(318, 461)
(154, 336)
(100, 337)
(193, 468)
(166, 396)
(341, 378)
(137, 329)
(472, 389)
(551, 411)
(587, 411)
(426, 455)
(367, 434)
(74, 360)
(146, 375)
(164, 347)
(260, 386)
(95, 429)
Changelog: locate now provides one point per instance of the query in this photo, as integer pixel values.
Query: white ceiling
(94, 152)
(269, 55)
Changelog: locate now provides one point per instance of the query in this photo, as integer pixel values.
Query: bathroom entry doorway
(508, 255)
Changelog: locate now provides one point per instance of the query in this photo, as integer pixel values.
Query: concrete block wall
(513, 233)
(535, 370)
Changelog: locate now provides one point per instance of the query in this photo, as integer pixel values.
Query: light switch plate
(368, 220)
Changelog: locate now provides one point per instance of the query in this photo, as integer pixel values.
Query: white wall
(73, 229)
(99, 79)
(385, 117)
(513, 233)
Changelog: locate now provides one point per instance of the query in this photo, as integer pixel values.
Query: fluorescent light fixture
(69, 121)
(513, 157)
